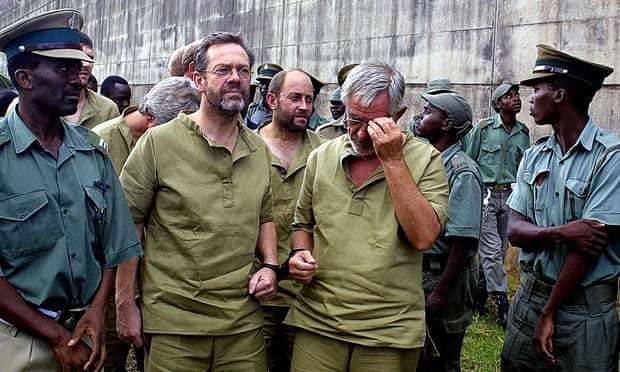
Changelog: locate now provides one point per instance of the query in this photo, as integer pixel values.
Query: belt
(69, 318)
(66, 318)
(433, 262)
(604, 292)
(437, 263)
(498, 186)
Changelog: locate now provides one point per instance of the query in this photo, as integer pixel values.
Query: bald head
(290, 98)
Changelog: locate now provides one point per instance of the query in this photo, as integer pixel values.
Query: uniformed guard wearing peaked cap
(551, 62)
(317, 83)
(267, 71)
(344, 71)
(52, 34)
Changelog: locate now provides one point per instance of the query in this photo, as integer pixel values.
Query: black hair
(22, 60)
(6, 97)
(580, 92)
(108, 84)
(85, 39)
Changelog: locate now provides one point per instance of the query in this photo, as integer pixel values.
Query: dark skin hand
(586, 236)
(576, 265)
(586, 240)
(436, 301)
(70, 352)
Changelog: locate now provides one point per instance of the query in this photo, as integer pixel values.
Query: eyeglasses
(354, 123)
(225, 72)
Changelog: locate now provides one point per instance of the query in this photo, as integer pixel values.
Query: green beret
(456, 107)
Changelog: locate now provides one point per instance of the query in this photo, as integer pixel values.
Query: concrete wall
(476, 44)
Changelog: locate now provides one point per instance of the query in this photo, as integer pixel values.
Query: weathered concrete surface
(477, 44)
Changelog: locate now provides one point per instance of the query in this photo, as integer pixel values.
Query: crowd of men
(226, 235)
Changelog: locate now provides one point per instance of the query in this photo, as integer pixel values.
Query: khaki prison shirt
(202, 207)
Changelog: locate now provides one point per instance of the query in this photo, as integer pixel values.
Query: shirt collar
(585, 139)
(23, 138)
(447, 154)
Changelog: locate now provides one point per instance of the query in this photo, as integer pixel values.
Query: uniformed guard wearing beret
(497, 144)
(64, 221)
(565, 217)
(450, 267)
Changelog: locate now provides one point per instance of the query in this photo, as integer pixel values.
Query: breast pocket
(489, 153)
(577, 190)
(28, 224)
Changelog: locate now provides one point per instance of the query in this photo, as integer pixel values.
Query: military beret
(456, 107)
(344, 71)
(502, 89)
(551, 62)
(335, 97)
(267, 71)
(441, 85)
(52, 34)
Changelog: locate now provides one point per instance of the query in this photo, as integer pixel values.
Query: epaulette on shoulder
(459, 163)
(608, 139)
(541, 140)
(97, 142)
(485, 122)
(4, 132)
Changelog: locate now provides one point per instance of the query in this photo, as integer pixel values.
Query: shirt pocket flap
(531, 176)
(577, 187)
(95, 195)
(491, 147)
(23, 206)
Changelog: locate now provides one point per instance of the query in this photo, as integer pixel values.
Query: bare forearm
(459, 254)
(100, 300)
(574, 269)
(16, 311)
(415, 214)
(266, 248)
(302, 239)
(126, 280)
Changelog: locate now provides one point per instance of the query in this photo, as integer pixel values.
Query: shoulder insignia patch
(459, 163)
(97, 142)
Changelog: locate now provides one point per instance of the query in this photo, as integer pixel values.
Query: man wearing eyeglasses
(199, 191)
(370, 203)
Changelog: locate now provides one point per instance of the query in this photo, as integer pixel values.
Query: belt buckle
(69, 318)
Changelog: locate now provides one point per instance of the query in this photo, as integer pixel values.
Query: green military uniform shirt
(496, 151)
(316, 120)
(50, 210)
(333, 129)
(368, 287)
(119, 138)
(554, 189)
(285, 185)
(97, 109)
(464, 202)
(202, 207)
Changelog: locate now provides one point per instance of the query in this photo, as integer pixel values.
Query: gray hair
(169, 97)
(371, 78)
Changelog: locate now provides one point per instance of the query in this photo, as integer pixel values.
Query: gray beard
(358, 151)
(232, 107)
